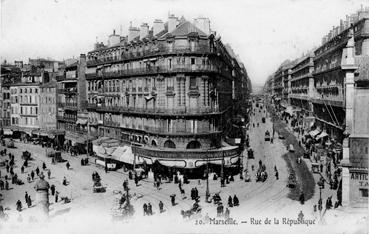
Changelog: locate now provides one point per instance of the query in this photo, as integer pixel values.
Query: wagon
(291, 180)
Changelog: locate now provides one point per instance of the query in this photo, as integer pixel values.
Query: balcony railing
(68, 91)
(183, 111)
(152, 53)
(66, 118)
(67, 104)
(162, 69)
(186, 154)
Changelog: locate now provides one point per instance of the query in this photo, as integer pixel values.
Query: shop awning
(321, 135)
(124, 154)
(8, 132)
(314, 132)
(81, 121)
(173, 163)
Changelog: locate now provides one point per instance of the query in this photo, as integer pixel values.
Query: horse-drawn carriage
(261, 175)
(195, 210)
(97, 186)
(26, 155)
(216, 199)
(56, 155)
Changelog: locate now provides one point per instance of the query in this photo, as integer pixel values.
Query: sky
(263, 33)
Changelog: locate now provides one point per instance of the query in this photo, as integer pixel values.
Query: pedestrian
(82, 162)
(49, 174)
(19, 205)
(173, 199)
(65, 181)
(26, 197)
(183, 193)
(29, 178)
(235, 200)
(226, 213)
(136, 180)
(125, 185)
(276, 175)
(6, 185)
(302, 198)
(43, 166)
(37, 171)
(196, 193)
(67, 165)
(1, 185)
(145, 208)
(106, 168)
(56, 196)
(321, 168)
(29, 202)
(230, 201)
(22, 169)
(161, 207)
(52, 188)
(149, 209)
(2, 214)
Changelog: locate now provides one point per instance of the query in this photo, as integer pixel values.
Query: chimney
(144, 32)
(172, 23)
(133, 32)
(158, 26)
(114, 39)
(203, 24)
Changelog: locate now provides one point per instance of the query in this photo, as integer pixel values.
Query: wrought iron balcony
(157, 51)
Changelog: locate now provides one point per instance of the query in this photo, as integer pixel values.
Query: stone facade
(176, 91)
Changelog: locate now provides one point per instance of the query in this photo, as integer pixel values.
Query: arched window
(193, 145)
(153, 143)
(169, 144)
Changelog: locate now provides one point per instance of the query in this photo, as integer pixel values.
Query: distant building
(328, 89)
(47, 112)
(71, 104)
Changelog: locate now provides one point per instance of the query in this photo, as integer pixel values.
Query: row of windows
(24, 90)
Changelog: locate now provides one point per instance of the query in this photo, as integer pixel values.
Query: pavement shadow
(60, 212)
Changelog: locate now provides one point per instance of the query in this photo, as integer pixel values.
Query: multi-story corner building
(71, 103)
(167, 92)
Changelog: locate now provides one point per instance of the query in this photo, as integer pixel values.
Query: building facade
(331, 86)
(71, 104)
(169, 95)
(47, 112)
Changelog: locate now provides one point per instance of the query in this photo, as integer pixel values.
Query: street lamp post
(222, 171)
(207, 193)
